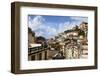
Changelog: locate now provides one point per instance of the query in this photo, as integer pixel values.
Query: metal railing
(36, 49)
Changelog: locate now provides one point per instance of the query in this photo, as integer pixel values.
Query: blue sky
(50, 26)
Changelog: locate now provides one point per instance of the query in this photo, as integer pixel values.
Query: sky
(50, 26)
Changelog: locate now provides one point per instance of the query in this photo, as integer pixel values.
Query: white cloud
(79, 19)
(66, 26)
(36, 22)
(38, 25)
(69, 25)
(42, 28)
(46, 31)
(51, 31)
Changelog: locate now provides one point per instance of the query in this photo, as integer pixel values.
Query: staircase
(84, 51)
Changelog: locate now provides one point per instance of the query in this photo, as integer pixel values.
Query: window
(33, 57)
(45, 55)
(40, 56)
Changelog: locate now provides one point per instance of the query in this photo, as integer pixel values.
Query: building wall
(31, 39)
(42, 55)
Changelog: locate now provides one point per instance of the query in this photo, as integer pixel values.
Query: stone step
(85, 51)
(84, 56)
(85, 47)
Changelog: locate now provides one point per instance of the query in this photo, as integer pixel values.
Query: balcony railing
(37, 49)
